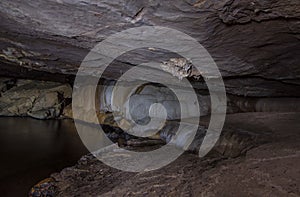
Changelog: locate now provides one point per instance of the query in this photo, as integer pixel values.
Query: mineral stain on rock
(178, 67)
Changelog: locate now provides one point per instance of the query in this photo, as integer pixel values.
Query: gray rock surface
(38, 99)
(256, 42)
(264, 168)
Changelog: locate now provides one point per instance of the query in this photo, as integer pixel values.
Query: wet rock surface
(268, 166)
(44, 188)
(255, 45)
(37, 99)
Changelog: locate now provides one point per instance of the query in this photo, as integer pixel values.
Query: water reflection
(32, 149)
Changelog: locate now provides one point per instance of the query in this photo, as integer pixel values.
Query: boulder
(38, 99)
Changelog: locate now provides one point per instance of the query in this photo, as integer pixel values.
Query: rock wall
(38, 99)
(254, 43)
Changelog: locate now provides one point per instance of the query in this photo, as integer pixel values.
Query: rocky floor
(269, 167)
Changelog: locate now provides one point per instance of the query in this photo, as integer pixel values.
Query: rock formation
(267, 165)
(38, 99)
(255, 44)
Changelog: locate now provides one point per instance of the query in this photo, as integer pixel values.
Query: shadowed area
(269, 166)
(32, 149)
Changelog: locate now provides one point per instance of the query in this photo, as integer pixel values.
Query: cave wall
(254, 43)
(37, 99)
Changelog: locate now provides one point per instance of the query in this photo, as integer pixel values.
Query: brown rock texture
(38, 99)
(254, 43)
(267, 168)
